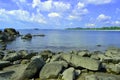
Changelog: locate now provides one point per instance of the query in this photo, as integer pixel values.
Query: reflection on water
(64, 40)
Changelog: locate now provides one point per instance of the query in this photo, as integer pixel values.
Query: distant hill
(102, 28)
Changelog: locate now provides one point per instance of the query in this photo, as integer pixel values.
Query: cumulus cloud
(50, 5)
(80, 5)
(53, 15)
(21, 15)
(103, 17)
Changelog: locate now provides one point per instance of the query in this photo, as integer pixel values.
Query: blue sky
(59, 14)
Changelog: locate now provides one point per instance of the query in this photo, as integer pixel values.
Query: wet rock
(85, 62)
(4, 64)
(50, 70)
(33, 68)
(27, 36)
(69, 74)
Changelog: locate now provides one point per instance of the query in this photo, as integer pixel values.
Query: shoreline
(73, 65)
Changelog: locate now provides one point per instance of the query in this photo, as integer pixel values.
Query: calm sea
(66, 40)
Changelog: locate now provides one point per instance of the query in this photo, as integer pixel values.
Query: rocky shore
(48, 65)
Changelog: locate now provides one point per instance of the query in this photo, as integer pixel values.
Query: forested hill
(102, 28)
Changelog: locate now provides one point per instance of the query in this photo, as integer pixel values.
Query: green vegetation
(102, 28)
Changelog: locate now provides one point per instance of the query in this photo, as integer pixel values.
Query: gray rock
(102, 76)
(12, 57)
(5, 75)
(50, 70)
(4, 64)
(46, 54)
(33, 68)
(85, 62)
(113, 68)
(113, 52)
(84, 53)
(27, 36)
(69, 74)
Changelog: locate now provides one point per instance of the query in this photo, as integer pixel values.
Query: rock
(102, 76)
(41, 35)
(113, 52)
(4, 64)
(27, 36)
(77, 72)
(63, 63)
(25, 61)
(85, 62)
(5, 75)
(11, 31)
(46, 54)
(1, 54)
(30, 55)
(113, 68)
(50, 70)
(56, 57)
(12, 57)
(84, 53)
(33, 68)
(17, 62)
(69, 74)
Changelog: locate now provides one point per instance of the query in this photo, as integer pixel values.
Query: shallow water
(65, 40)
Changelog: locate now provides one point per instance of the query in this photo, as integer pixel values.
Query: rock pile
(47, 65)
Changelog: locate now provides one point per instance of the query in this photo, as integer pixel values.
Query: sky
(59, 14)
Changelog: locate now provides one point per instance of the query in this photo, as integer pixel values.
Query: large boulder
(12, 57)
(50, 70)
(11, 31)
(85, 62)
(32, 69)
(4, 64)
(69, 74)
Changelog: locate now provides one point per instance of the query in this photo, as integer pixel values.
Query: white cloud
(117, 23)
(21, 15)
(23, 1)
(103, 17)
(72, 17)
(97, 2)
(35, 3)
(90, 25)
(53, 15)
(50, 5)
(80, 5)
